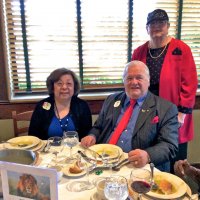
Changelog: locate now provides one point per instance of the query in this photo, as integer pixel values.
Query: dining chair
(21, 122)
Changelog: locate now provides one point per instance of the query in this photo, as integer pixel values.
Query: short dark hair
(55, 76)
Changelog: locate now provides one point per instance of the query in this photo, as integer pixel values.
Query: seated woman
(189, 173)
(62, 110)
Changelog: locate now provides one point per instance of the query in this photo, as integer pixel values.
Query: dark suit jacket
(159, 139)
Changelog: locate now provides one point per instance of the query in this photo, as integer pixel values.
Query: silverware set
(115, 168)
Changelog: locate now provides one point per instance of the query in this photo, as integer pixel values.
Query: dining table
(46, 159)
(63, 193)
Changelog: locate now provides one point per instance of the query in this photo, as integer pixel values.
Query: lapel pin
(117, 103)
(145, 110)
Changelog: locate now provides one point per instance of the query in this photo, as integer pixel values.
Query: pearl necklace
(154, 57)
(63, 126)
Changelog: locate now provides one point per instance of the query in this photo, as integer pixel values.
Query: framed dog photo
(25, 182)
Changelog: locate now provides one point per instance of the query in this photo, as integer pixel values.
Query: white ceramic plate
(66, 172)
(108, 148)
(39, 146)
(30, 141)
(178, 183)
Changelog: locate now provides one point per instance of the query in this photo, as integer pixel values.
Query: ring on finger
(135, 162)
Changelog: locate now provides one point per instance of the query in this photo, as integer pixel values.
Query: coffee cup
(100, 188)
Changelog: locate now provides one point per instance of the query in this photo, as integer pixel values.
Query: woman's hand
(88, 141)
(181, 118)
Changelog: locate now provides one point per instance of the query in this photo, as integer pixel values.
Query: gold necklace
(154, 57)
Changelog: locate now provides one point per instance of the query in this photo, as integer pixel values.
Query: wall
(194, 145)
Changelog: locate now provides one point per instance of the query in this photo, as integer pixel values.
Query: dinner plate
(180, 187)
(39, 146)
(107, 148)
(66, 172)
(30, 141)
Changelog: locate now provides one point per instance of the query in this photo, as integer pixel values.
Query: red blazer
(178, 80)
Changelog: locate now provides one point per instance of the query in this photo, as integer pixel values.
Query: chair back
(20, 122)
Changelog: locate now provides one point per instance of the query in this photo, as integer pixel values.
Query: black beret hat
(157, 14)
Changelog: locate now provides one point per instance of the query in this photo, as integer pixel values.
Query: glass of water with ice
(70, 139)
(116, 187)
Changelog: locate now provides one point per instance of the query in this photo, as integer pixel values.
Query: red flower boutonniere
(46, 105)
(155, 120)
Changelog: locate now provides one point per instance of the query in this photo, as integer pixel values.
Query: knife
(120, 164)
(84, 156)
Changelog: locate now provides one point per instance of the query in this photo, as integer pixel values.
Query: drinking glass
(87, 165)
(54, 145)
(70, 139)
(116, 187)
(140, 181)
(110, 158)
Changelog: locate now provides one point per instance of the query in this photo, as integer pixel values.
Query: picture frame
(25, 182)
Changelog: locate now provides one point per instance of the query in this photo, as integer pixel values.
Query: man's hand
(181, 168)
(138, 157)
(88, 141)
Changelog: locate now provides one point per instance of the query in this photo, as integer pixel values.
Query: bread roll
(75, 169)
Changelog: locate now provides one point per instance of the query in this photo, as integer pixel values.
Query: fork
(120, 164)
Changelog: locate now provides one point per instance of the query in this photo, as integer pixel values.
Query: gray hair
(133, 64)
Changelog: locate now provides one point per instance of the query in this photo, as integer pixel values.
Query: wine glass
(116, 187)
(86, 165)
(53, 145)
(140, 181)
(70, 139)
(110, 158)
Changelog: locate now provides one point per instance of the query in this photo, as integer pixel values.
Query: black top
(155, 66)
(42, 117)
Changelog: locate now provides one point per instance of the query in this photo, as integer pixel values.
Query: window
(93, 38)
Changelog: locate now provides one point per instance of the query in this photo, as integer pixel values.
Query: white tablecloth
(63, 193)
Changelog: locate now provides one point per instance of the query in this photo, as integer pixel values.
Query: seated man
(149, 132)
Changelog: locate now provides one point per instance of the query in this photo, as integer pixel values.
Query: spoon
(154, 185)
(15, 144)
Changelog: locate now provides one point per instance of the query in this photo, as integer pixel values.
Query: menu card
(23, 182)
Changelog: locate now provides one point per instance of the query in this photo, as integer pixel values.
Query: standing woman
(62, 110)
(172, 71)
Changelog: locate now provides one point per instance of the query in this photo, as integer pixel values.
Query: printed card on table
(23, 182)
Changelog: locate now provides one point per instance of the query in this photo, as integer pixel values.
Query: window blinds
(90, 37)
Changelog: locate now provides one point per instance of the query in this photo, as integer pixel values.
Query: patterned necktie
(123, 123)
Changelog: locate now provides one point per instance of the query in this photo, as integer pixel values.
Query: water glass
(110, 159)
(116, 187)
(70, 139)
(53, 145)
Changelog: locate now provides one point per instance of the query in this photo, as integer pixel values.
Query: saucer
(95, 196)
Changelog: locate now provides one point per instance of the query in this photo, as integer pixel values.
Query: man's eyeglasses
(157, 23)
